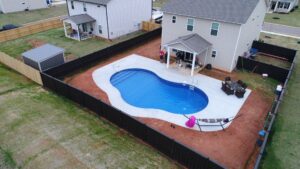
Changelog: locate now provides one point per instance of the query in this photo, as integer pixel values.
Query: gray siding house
(212, 32)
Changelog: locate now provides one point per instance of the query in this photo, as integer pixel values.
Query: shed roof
(82, 18)
(100, 2)
(42, 53)
(232, 11)
(194, 42)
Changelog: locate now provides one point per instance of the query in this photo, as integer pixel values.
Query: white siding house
(8, 6)
(230, 26)
(111, 18)
(283, 6)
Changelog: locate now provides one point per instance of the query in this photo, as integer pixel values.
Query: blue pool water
(144, 89)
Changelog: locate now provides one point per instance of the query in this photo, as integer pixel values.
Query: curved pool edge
(101, 77)
(199, 94)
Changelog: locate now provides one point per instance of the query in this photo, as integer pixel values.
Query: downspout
(151, 10)
(235, 50)
(107, 22)
(68, 7)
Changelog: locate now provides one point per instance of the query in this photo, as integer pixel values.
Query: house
(8, 6)
(283, 6)
(107, 19)
(212, 32)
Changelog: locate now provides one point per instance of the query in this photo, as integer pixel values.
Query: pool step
(122, 76)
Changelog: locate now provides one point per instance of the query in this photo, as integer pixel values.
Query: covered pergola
(192, 43)
(79, 27)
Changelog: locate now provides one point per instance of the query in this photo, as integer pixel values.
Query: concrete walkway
(281, 30)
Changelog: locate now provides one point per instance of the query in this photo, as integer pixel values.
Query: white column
(205, 56)
(65, 28)
(276, 6)
(193, 64)
(78, 33)
(168, 57)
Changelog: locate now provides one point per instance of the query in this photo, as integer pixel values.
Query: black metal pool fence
(280, 74)
(170, 147)
(274, 72)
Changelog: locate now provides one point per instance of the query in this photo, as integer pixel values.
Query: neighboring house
(283, 6)
(108, 19)
(8, 6)
(212, 32)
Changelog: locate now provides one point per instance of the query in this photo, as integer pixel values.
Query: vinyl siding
(9, 6)
(98, 12)
(251, 30)
(224, 43)
(126, 16)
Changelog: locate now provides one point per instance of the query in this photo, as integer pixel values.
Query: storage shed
(44, 57)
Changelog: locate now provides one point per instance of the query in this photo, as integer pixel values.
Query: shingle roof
(194, 42)
(82, 18)
(43, 52)
(100, 2)
(232, 11)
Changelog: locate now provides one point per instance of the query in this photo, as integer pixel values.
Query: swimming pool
(144, 89)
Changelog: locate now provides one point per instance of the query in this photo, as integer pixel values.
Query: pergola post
(205, 56)
(168, 56)
(276, 6)
(65, 28)
(78, 33)
(193, 64)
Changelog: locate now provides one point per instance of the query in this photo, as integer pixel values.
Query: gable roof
(194, 42)
(232, 11)
(82, 18)
(99, 2)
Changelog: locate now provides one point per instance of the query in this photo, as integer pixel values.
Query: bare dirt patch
(36, 43)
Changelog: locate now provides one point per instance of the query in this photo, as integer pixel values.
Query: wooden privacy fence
(21, 67)
(30, 29)
(149, 26)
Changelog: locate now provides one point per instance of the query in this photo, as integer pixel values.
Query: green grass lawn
(39, 129)
(291, 19)
(273, 61)
(283, 149)
(20, 18)
(159, 3)
(73, 48)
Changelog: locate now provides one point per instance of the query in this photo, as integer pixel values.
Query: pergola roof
(82, 18)
(193, 43)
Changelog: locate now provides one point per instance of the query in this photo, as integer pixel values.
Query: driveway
(281, 30)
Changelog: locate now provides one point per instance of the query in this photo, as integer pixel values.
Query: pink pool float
(191, 122)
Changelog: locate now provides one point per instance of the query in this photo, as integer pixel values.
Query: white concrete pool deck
(220, 105)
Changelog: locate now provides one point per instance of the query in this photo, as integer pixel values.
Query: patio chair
(229, 90)
(227, 79)
(223, 86)
(242, 84)
(240, 93)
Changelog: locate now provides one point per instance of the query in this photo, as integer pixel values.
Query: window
(280, 4)
(174, 19)
(72, 4)
(214, 29)
(100, 29)
(84, 6)
(190, 24)
(286, 5)
(213, 53)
